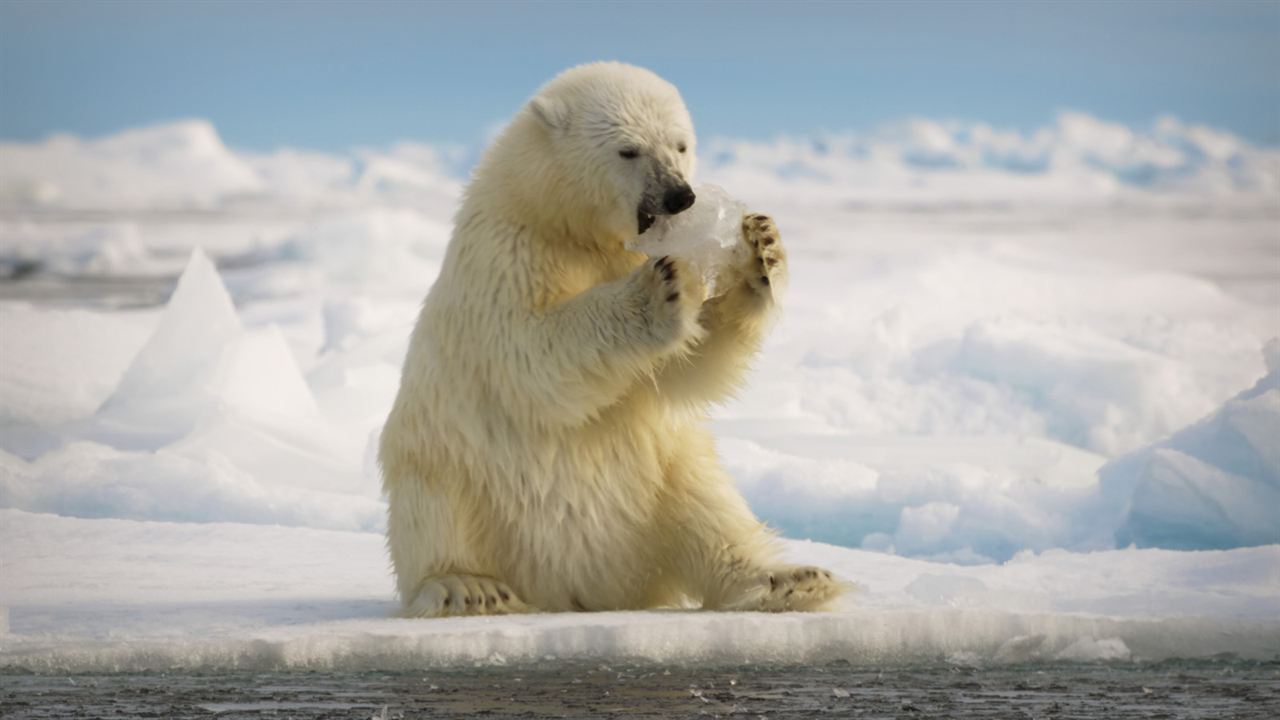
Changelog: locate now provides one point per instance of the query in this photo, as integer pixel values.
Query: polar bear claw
(452, 595)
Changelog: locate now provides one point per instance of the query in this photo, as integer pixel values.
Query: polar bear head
(600, 150)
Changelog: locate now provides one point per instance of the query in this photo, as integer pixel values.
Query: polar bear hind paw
(458, 595)
(790, 589)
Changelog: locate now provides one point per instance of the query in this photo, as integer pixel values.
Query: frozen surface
(1078, 158)
(708, 235)
(120, 595)
(1004, 358)
(1214, 484)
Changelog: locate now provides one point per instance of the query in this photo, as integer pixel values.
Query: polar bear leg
(735, 322)
(448, 595)
(426, 539)
(726, 556)
(584, 354)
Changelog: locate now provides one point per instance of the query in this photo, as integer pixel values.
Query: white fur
(547, 448)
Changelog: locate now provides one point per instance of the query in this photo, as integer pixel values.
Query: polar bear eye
(629, 153)
(681, 147)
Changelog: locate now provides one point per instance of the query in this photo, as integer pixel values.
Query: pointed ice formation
(1215, 484)
(201, 362)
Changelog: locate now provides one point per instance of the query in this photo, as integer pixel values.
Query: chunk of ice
(199, 364)
(1214, 484)
(170, 374)
(708, 235)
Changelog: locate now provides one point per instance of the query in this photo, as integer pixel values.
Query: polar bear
(547, 449)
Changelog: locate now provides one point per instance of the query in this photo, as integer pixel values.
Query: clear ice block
(707, 236)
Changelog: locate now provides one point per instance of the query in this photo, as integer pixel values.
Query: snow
(189, 595)
(182, 164)
(1214, 484)
(44, 385)
(1024, 393)
(1077, 159)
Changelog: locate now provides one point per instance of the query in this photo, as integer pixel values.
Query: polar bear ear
(551, 112)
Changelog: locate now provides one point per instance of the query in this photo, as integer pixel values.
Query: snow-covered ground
(130, 595)
(1011, 367)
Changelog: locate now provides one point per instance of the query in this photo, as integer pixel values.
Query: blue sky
(333, 75)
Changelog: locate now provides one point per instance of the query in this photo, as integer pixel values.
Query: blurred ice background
(1024, 366)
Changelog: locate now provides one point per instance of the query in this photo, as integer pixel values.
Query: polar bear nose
(678, 199)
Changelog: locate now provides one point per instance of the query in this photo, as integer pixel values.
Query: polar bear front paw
(450, 595)
(673, 295)
(788, 588)
(764, 266)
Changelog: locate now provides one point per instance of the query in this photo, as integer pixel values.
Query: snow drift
(213, 421)
(1215, 484)
(1078, 158)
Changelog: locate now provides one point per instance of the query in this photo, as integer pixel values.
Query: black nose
(679, 199)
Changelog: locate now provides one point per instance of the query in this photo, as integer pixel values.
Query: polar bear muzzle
(678, 199)
(675, 200)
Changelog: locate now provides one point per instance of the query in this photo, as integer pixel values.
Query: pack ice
(1024, 393)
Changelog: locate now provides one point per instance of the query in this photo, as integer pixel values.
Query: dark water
(1229, 689)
